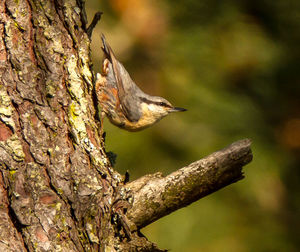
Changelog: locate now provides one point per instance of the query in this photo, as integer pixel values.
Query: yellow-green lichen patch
(85, 70)
(14, 147)
(75, 81)
(12, 172)
(75, 116)
(91, 230)
(44, 23)
(58, 248)
(51, 33)
(93, 184)
(37, 178)
(58, 206)
(99, 160)
(59, 191)
(57, 45)
(72, 16)
(19, 27)
(6, 108)
(12, 175)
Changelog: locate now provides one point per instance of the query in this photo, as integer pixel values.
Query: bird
(122, 101)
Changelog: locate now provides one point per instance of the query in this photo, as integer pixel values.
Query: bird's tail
(116, 65)
(106, 48)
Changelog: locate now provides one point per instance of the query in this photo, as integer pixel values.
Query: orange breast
(107, 97)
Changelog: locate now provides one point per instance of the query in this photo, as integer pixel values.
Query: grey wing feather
(127, 89)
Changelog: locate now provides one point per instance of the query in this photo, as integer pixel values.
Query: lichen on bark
(58, 189)
(56, 174)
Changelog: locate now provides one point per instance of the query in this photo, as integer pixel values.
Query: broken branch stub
(156, 196)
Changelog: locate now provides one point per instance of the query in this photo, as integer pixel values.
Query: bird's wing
(127, 89)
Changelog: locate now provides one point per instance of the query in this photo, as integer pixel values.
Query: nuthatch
(122, 101)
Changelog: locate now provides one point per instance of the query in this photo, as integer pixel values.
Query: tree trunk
(58, 190)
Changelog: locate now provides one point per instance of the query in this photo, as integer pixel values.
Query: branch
(156, 196)
(93, 24)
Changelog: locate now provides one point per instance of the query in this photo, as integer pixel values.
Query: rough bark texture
(58, 191)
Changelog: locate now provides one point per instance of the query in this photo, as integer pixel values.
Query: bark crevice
(16, 222)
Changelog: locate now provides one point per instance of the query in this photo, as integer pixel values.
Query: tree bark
(58, 190)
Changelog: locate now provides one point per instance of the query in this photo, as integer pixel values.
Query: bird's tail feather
(106, 48)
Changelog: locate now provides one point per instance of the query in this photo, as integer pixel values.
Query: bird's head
(158, 107)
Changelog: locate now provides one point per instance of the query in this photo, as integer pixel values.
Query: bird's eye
(162, 104)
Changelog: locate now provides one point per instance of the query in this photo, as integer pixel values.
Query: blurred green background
(235, 66)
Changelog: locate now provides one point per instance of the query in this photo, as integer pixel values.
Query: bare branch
(94, 22)
(156, 196)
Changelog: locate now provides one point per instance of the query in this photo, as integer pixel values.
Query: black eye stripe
(156, 103)
(145, 100)
(162, 104)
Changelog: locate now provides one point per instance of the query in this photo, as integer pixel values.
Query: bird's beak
(177, 109)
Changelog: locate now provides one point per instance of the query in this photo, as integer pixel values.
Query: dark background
(235, 66)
